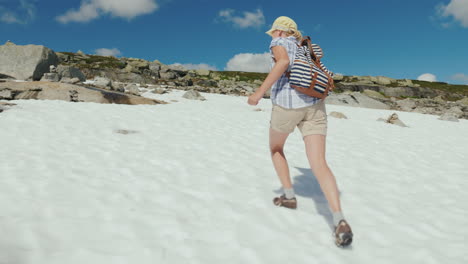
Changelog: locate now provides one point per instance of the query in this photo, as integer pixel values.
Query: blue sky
(398, 38)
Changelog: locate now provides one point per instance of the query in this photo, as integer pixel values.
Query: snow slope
(192, 182)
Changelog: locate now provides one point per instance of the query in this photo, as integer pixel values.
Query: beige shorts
(311, 120)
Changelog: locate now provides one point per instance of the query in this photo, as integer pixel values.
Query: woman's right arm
(281, 65)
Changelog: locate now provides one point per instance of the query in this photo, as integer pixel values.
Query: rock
(52, 68)
(455, 111)
(207, 83)
(65, 92)
(193, 95)
(439, 100)
(50, 77)
(130, 78)
(159, 91)
(405, 82)
(338, 115)
(355, 99)
(70, 80)
(139, 63)
(373, 94)
(169, 75)
(154, 67)
(407, 105)
(126, 132)
(448, 117)
(398, 91)
(257, 82)
(103, 82)
(6, 93)
(248, 89)
(27, 62)
(463, 101)
(5, 106)
(338, 77)
(363, 82)
(393, 119)
(70, 72)
(382, 80)
(202, 72)
(130, 68)
(177, 67)
(63, 57)
(119, 88)
(164, 68)
(132, 89)
(79, 52)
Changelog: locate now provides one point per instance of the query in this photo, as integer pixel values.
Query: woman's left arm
(281, 65)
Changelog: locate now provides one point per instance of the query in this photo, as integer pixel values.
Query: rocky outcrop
(417, 92)
(67, 92)
(355, 99)
(28, 62)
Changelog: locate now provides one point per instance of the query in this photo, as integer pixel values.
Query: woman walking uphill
(292, 108)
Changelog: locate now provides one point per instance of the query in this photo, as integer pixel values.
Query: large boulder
(70, 72)
(102, 82)
(202, 72)
(27, 62)
(355, 99)
(382, 80)
(132, 89)
(407, 104)
(193, 95)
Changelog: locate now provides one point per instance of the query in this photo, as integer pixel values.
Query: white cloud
(249, 62)
(191, 66)
(428, 77)
(460, 77)
(91, 9)
(9, 18)
(23, 14)
(456, 8)
(249, 19)
(108, 52)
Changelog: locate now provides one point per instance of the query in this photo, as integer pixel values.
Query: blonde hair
(295, 33)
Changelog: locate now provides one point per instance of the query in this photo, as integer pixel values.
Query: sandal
(343, 234)
(283, 201)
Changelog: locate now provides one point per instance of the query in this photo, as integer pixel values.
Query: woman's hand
(255, 98)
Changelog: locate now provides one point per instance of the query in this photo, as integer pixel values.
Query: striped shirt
(281, 93)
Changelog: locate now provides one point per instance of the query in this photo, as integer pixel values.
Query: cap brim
(270, 32)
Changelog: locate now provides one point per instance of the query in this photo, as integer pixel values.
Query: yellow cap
(287, 25)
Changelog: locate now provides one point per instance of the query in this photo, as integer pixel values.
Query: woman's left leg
(277, 140)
